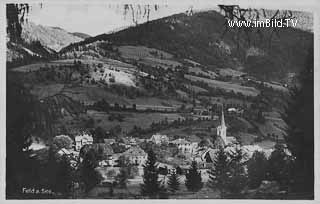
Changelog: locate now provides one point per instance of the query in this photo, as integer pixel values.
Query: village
(177, 154)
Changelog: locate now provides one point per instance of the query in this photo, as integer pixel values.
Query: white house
(159, 139)
(82, 140)
(185, 146)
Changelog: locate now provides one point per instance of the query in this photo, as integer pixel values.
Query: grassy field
(230, 72)
(197, 89)
(198, 70)
(148, 56)
(272, 127)
(46, 90)
(130, 120)
(138, 52)
(248, 91)
(276, 87)
(37, 66)
(246, 138)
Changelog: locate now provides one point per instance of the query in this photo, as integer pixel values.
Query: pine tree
(151, 185)
(237, 179)
(173, 182)
(20, 123)
(193, 178)
(89, 176)
(218, 174)
(228, 175)
(257, 167)
(280, 167)
(64, 177)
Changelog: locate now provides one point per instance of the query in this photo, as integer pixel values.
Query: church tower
(222, 129)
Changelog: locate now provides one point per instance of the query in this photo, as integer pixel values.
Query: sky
(95, 19)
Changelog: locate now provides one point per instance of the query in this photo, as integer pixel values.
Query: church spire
(222, 118)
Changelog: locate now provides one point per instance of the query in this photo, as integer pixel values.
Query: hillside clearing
(248, 91)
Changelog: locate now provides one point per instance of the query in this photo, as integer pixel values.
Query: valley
(176, 87)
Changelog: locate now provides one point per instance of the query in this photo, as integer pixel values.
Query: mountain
(81, 35)
(200, 37)
(52, 37)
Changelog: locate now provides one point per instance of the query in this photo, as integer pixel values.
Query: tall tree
(280, 167)
(125, 171)
(299, 117)
(89, 176)
(20, 121)
(257, 167)
(193, 178)
(64, 178)
(218, 174)
(99, 134)
(151, 186)
(173, 182)
(237, 179)
(228, 174)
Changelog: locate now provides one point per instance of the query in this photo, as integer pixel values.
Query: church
(222, 132)
(222, 129)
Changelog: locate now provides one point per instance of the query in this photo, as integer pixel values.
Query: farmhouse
(159, 139)
(82, 140)
(136, 155)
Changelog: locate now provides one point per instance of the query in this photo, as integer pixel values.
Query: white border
(305, 5)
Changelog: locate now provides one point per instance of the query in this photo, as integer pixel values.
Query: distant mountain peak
(51, 37)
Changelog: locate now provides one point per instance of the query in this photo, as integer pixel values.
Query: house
(82, 140)
(108, 161)
(235, 111)
(185, 146)
(136, 155)
(159, 139)
(202, 113)
(129, 141)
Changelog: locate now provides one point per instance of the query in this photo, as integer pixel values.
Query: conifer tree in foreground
(193, 178)
(237, 178)
(89, 176)
(151, 186)
(64, 177)
(173, 182)
(257, 168)
(218, 174)
(228, 175)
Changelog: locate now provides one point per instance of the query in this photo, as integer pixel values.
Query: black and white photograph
(159, 100)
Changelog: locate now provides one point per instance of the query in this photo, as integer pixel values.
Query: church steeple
(222, 119)
(222, 128)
